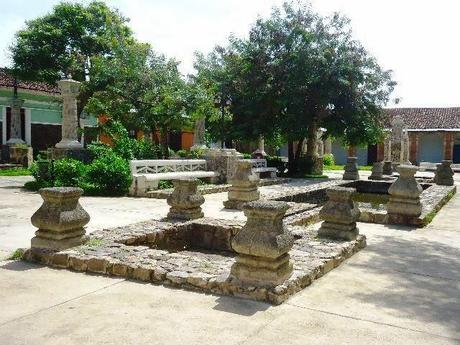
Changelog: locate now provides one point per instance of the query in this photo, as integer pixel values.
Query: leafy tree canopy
(298, 71)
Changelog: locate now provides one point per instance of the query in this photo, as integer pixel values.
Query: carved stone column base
(387, 168)
(404, 206)
(185, 214)
(347, 232)
(259, 271)
(351, 169)
(58, 244)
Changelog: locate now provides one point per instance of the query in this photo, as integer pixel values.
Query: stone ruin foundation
(351, 169)
(207, 255)
(243, 186)
(60, 219)
(263, 245)
(185, 201)
(444, 175)
(340, 215)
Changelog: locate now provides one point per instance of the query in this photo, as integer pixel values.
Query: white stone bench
(147, 173)
(259, 166)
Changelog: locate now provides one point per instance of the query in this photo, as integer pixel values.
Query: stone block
(405, 194)
(60, 219)
(340, 215)
(387, 168)
(351, 169)
(263, 245)
(377, 171)
(185, 201)
(444, 175)
(243, 186)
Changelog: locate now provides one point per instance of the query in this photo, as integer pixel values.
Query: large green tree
(67, 42)
(298, 71)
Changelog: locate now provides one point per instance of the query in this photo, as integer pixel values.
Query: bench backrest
(156, 166)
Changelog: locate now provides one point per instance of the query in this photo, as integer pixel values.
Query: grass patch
(430, 216)
(15, 172)
(94, 242)
(17, 255)
(342, 167)
(308, 176)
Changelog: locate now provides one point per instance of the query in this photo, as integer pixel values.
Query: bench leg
(133, 188)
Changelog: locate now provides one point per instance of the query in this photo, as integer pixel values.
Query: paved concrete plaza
(403, 288)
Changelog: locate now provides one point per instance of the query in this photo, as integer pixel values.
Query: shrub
(99, 149)
(108, 175)
(68, 172)
(182, 153)
(247, 156)
(328, 159)
(196, 153)
(42, 171)
(276, 162)
(165, 184)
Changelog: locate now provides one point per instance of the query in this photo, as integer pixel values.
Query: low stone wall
(214, 188)
(432, 200)
(195, 255)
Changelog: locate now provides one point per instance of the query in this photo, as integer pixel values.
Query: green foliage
(42, 171)
(182, 153)
(68, 172)
(108, 175)
(328, 160)
(310, 176)
(15, 172)
(17, 254)
(247, 156)
(196, 153)
(165, 184)
(33, 186)
(276, 162)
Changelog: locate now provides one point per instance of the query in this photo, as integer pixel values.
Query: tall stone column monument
(16, 128)
(69, 91)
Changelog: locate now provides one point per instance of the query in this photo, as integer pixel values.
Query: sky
(417, 39)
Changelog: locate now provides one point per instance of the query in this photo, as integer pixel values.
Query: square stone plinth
(197, 256)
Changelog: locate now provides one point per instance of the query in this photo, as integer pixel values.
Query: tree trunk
(291, 158)
(164, 142)
(311, 140)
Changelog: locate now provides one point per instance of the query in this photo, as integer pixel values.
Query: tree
(149, 93)
(298, 71)
(66, 43)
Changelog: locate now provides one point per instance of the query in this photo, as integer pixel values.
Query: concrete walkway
(404, 288)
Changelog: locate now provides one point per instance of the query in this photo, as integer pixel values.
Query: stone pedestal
(69, 90)
(340, 215)
(263, 245)
(404, 195)
(444, 175)
(244, 186)
(16, 128)
(387, 168)
(223, 161)
(260, 152)
(185, 201)
(351, 169)
(60, 219)
(20, 154)
(377, 171)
